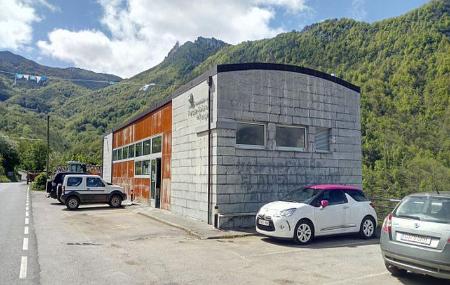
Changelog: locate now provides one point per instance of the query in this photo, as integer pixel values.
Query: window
(114, 155)
(302, 195)
(94, 182)
(138, 149)
(334, 197)
(156, 144)
(119, 154)
(131, 151)
(425, 208)
(146, 147)
(322, 139)
(125, 153)
(138, 168)
(250, 134)
(74, 181)
(290, 137)
(357, 195)
(146, 167)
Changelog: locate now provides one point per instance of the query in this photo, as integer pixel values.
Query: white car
(318, 210)
(90, 189)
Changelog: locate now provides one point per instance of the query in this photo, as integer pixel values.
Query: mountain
(95, 113)
(402, 65)
(11, 62)
(24, 104)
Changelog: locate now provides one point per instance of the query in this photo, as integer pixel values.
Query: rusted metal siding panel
(157, 122)
(166, 127)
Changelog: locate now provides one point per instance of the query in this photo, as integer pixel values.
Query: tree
(9, 157)
(33, 155)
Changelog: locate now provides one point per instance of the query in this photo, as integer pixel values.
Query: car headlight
(288, 212)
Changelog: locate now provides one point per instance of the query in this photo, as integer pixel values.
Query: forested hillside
(402, 65)
(403, 68)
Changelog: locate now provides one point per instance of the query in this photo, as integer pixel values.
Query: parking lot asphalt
(100, 245)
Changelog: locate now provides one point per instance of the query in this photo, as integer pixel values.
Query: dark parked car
(54, 187)
(416, 236)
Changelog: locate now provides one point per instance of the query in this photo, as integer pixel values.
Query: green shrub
(40, 182)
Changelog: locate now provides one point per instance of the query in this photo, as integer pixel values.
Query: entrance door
(155, 182)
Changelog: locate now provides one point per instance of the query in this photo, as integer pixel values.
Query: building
(236, 137)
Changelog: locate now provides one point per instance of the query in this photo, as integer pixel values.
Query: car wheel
(115, 201)
(304, 232)
(367, 229)
(394, 270)
(72, 203)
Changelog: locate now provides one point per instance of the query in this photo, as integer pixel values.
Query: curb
(233, 236)
(190, 232)
(194, 233)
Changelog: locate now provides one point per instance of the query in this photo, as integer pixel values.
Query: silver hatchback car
(416, 236)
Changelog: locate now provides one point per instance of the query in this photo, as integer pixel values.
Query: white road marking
(25, 244)
(27, 208)
(27, 221)
(27, 213)
(25, 230)
(23, 268)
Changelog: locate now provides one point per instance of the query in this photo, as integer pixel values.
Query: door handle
(87, 188)
(346, 207)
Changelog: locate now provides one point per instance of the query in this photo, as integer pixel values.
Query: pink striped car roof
(333, 187)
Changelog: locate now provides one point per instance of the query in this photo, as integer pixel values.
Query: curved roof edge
(220, 68)
(286, 67)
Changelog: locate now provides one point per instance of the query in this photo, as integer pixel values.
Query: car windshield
(425, 208)
(302, 195)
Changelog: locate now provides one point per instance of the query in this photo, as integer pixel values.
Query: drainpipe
(209, 150)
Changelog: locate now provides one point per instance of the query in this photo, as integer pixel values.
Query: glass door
(155, 182)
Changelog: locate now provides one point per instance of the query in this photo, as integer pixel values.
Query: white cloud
(16, 22)
(359, 9)
(16, 19)
(142, 32)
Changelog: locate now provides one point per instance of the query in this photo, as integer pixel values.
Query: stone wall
(249, 178)
(189, 185)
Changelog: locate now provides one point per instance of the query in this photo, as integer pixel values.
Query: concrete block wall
(248, 178)
(189, 183)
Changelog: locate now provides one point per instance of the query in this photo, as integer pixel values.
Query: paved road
(100, 245)
(18, 251)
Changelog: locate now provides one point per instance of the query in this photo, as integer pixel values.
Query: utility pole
(48, 145)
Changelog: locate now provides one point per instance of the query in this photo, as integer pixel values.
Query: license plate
(416, 238)
(263, 222)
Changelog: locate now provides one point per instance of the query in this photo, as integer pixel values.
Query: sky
(125, 37)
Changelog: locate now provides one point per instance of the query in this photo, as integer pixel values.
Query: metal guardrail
(383, 206)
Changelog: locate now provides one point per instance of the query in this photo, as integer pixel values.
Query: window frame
(251, 146)
(320, 197)
(119, 151)
(80, 179)
(97, 178)
(149, 140)
(135, 168)
(151, 145)
(329, 140)
(134, 147)
(292, 148)
(125, 150)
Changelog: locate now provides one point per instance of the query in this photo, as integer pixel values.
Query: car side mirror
(324, 203)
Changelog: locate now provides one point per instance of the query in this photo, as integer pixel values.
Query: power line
(144, 87)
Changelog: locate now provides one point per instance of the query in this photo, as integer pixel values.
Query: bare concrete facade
(249, 177)
(246, 134)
